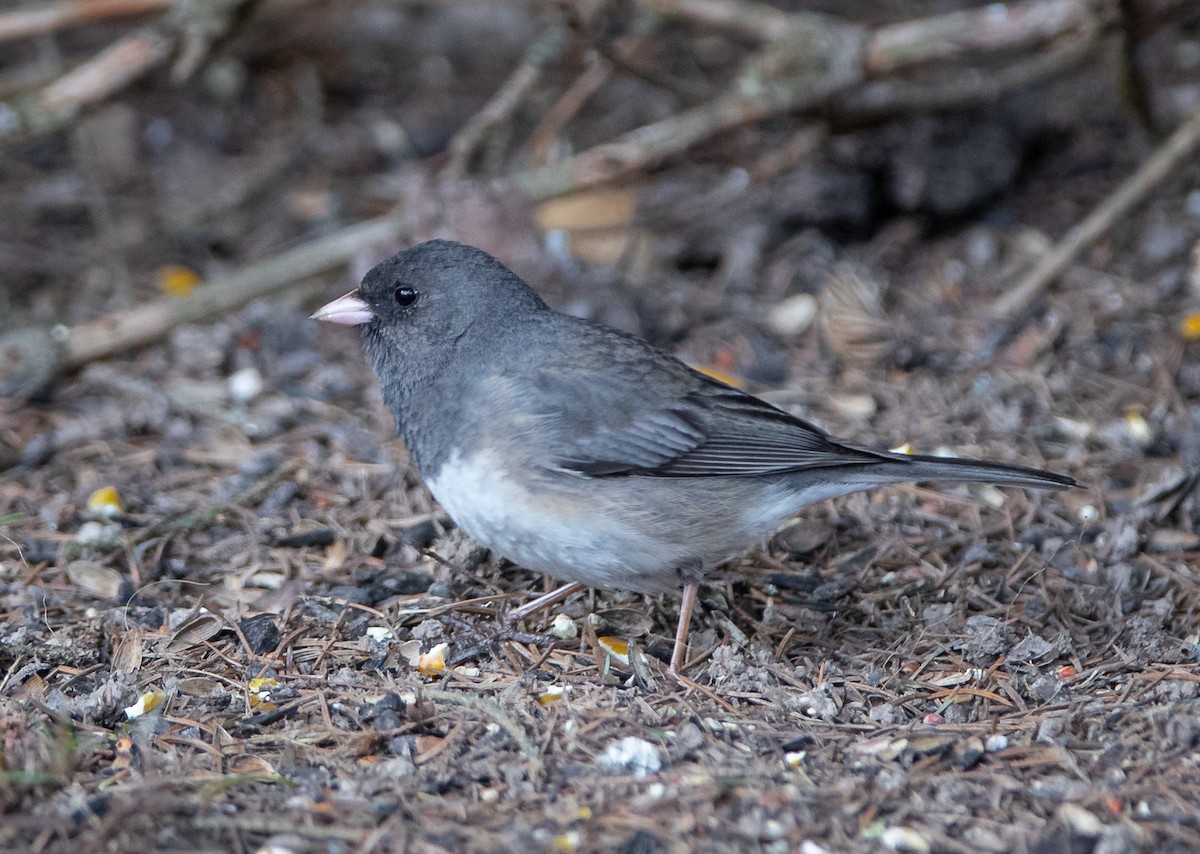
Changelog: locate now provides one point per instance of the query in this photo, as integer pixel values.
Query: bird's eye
(405, 296)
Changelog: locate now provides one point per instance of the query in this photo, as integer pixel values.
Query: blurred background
(941, 224)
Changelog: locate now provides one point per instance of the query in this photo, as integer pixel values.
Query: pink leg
(686, 604)
(546, 599)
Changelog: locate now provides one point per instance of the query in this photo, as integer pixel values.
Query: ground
(223, 588)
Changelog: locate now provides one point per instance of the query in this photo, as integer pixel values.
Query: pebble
(630, 755)
(793, 315)
(245, 385)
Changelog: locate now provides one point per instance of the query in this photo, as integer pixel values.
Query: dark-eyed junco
(585, 453)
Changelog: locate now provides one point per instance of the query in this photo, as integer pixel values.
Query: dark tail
(909, 467)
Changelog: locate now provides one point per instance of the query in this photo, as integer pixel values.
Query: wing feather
(713, 430)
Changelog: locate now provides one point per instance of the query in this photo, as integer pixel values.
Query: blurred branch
(597, 72)
(508, 97)
(187, 31)
(1133, 190)
(810, 61)
(995, 27)
(31, 357)
(108, 72)
(51, 17)
(747, 18)
(959, 87)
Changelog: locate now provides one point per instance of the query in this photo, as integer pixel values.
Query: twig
(651, 144)
(103, 75)
(499, 716)
(596, 73)
(51, 17)
(108, 335)
(810, 60)
(1135, 88)
(1131, 191)
(995, 27)
(622, 56)
(199, 26)
(508, 97)
(263, 824)
(145, 323)
(960, 87)
(756, 20)
(191, 30)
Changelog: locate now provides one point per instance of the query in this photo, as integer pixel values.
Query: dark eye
(406, 296)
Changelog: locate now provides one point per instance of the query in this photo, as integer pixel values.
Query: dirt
(951, 669)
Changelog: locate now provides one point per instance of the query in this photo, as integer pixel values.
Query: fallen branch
(810, 61)
(1133, 190)
(760, 91)
(960, 87)
(103, 75)
(995, 27)
(52, 17)
(189, 31)
(499, 716)
(508, 97)
(597, 72)
(29, 358)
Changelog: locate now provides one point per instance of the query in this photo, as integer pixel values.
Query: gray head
(436, 312)
(423, 306)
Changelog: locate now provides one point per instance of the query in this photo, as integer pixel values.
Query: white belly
(539, 530)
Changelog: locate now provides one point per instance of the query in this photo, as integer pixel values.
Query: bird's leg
(546, 599)
(686, 604)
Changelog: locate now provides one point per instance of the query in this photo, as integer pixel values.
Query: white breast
(536, 527)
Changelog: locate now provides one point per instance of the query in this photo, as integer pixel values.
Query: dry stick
(106, 73)
(508, 97)
(1013, 26)
(653, 143)
(499, 716)
(756, 20)
(594, 76)
(1132, 191)
(195, 27)
(36, 20)
(997, 26)
(143, 324)
(30, 357)
(960, 87)
(804, 64)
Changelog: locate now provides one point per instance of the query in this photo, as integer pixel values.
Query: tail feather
(916, 467)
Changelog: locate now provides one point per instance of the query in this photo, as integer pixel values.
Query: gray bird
(584, 453)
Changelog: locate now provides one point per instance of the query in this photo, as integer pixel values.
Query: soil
(914, 669)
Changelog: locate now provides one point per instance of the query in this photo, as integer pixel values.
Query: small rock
(98, 534)
(245, 385)
(818, 703)
(92, 578)
(631, 755)
(261, 633)
(1050, 729)
(563, 627)
(1172, 540)
(1081, 821)
(857, 406)
(987, 638)
(1032, 648)
(793, 315)
(903, 839)
(1046, 687)
(938, 615)
(969, 752)
(804, 537)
